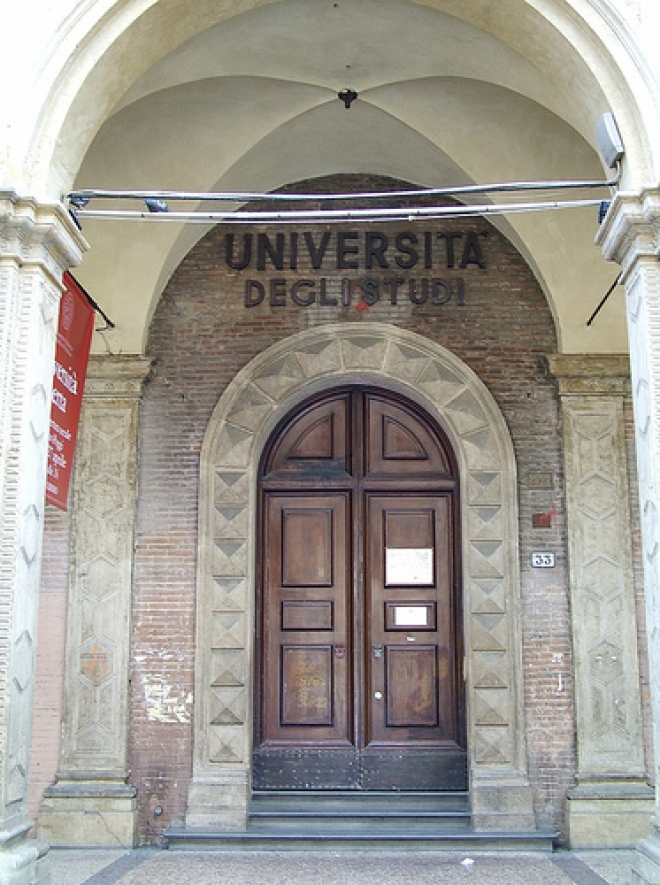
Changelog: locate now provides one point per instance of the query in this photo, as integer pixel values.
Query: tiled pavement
(149, 866)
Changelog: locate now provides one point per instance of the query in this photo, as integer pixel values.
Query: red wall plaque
(74, 338)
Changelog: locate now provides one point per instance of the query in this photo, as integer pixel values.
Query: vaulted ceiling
(447, 94)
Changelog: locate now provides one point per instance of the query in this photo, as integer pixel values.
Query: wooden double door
(359, 683)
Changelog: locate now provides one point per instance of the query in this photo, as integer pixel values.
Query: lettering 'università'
(362, 502)
(352, 250)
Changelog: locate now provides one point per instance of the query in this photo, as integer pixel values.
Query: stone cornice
(631, 230)
(116, 377)
(586, 374)
(39, 234)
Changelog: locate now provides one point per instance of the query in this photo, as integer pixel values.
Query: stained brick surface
(202, 335)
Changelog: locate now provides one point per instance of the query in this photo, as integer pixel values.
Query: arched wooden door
(359, 682)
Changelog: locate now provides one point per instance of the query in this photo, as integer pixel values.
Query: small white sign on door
(411, 616)
(410, 565)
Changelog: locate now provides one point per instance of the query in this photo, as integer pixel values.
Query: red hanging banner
(74, 338)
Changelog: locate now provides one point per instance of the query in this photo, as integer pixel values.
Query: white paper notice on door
(411, 616)
(408, 565)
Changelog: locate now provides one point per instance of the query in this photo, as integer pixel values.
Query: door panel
(397, 443)
(307, 546)
(306, 605)
(315, 446)
(411, 681)
(359, 684)
(306, 680)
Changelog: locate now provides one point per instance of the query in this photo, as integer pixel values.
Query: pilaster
(92, 802)
(37, 244)
(631, 236)
(611, 804)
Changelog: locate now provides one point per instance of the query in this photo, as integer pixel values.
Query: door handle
(377, 651)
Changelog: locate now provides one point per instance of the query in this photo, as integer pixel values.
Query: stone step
(337, 812)
(182, 838)
(352, 799)
(344, 820)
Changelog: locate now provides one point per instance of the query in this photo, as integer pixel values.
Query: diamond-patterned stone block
(484, 488)
(363, 353)
(229, 594)
(234, 445)
(251, 409)
(279, 377)
(229, 667)
(228, 706)
(490, 669)
(488, 596)
(320, 358)
(230, 557)
(491, 706)
(465, 413)
(230, 487)
(405, 363)
(228, 630)
(492, 745)
(227, 744)
(230, 521)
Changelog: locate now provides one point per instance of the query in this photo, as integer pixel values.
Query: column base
(89, 814)
(219, 802)
(502, 802)
(646, 866)
(22, 860)
(609, 815)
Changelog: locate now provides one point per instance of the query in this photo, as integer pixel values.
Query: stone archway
(244, 417)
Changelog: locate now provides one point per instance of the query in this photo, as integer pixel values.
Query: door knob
(377, 651)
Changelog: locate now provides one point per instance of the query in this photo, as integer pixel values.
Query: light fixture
(609, 140)
(79, 200)
(348, 96)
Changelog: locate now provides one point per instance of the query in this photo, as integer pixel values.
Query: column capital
(631, 229)
(116, 377)
(590, 374)
(42, 234)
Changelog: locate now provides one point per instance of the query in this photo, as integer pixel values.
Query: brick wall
(202, 334)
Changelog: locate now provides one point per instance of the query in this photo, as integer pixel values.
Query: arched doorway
(359, 628)
(247, 414)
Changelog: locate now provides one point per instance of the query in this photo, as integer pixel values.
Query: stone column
(92, 802)
(37, 243)
(631, 236)
(612, 802)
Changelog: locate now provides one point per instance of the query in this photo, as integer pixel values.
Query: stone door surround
(258, 397)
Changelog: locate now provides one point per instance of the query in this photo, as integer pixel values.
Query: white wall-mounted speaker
(609, 139)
